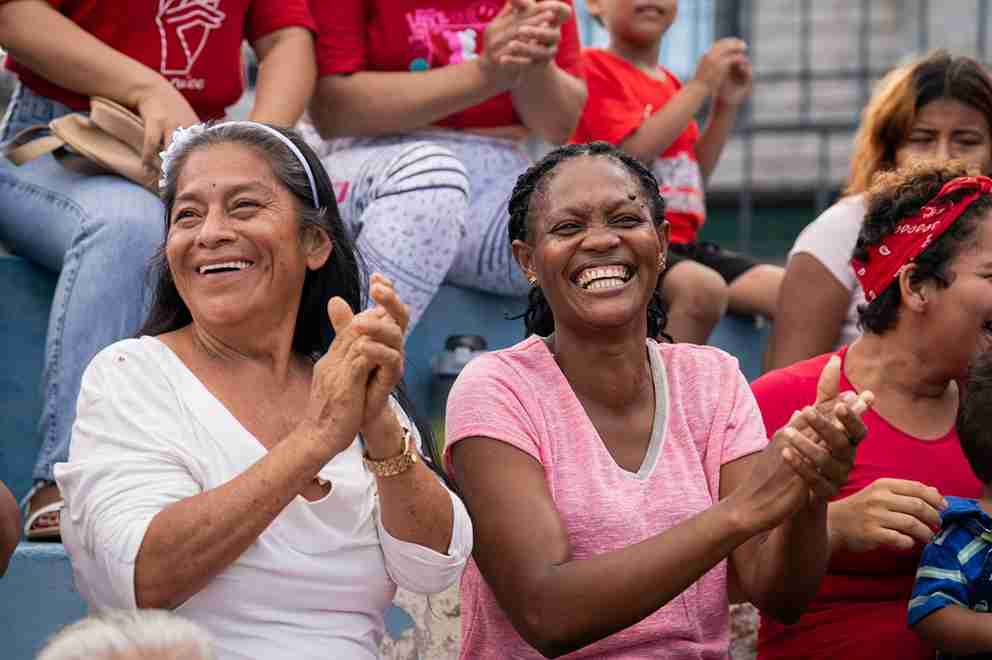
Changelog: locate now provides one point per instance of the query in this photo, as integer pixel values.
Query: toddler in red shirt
(644, 108)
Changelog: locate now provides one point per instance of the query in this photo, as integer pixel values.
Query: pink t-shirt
(706, 416)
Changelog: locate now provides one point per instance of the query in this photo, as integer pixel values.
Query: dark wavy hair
(343, 274)
(538, 318)
(974, 422)
(897, 195)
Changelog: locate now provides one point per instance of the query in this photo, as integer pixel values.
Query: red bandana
(915, 233)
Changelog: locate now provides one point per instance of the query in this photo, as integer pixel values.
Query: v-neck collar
(659, 425)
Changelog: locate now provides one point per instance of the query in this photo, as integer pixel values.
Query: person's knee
(756, 291)
(427, 165)
(697, 291)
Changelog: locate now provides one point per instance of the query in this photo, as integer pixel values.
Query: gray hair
(130, 635)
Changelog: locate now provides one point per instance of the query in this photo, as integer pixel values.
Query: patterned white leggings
(429, 208)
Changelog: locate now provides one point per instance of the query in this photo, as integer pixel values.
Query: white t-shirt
(830, 239)
(317, 581)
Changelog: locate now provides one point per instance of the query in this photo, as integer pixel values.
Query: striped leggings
(429, 208)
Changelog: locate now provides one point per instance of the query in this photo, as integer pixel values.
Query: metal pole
(745, 199)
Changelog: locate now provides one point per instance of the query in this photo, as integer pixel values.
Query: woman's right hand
(894, 513)
(163, 109)
(716, 62)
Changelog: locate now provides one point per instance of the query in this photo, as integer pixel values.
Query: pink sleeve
(341, 36)
(745, 433)
(267, 16)
(491, 399)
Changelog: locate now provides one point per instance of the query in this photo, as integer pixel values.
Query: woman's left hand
(386, 324)
(822, 438)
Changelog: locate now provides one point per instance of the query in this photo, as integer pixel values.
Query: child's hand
(736, 84)
(715, 64)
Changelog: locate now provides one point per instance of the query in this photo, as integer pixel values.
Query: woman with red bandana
(924, 260)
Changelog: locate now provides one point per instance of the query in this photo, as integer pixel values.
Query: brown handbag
(108, 140)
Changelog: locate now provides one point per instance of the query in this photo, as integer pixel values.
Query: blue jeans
(99, 233)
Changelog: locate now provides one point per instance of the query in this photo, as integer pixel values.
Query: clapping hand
(522, 37)
(353, 380)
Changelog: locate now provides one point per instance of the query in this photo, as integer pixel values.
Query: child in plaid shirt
(953, 589)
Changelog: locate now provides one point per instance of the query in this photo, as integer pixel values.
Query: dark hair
(888, 118)
(538, 318)
(897, 195)
(343, 274)
(974, 423)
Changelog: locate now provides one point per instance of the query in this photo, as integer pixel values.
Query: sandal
(43, 524)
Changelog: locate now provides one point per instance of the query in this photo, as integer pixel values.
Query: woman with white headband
(249, 461)
(174, 63)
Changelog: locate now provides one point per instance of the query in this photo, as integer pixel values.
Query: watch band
(390, 467)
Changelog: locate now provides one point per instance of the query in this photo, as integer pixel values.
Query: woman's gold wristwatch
(390, 467)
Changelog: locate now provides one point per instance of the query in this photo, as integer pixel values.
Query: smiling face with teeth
(234, 245)
(593, 245)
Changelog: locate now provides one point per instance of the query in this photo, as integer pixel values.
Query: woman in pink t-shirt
(609, 476)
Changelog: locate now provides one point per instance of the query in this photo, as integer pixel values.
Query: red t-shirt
(860, 610)
(621, 97)
(412, 35)
(196, 44)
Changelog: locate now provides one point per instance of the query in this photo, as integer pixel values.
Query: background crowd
(240, 403)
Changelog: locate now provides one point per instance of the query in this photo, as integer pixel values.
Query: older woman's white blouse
(317, 581)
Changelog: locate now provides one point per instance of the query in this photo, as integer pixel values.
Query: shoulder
(838, 225)
(794, 382)
(513, 367)
(691, 360)
(128, 359)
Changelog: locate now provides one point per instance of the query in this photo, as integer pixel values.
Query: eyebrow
(249, 186)
(580, 209)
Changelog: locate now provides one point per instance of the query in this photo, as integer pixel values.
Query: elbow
(541, 625)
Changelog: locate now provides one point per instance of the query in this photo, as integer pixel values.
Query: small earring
(531, 280)
(661, 262)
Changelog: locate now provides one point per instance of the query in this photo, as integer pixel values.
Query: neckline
(666, 76)
(845, 384)
(659, 423)
(216, 404)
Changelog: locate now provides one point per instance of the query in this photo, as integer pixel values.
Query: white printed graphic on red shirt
(681, 184)
(184, 26)
(438, 38)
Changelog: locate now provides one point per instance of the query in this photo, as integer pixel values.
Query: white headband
(183, 135)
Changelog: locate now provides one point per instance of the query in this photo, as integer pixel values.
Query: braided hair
(538, 318)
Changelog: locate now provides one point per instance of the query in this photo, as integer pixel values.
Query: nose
(215, 230)
(942, 150)
(600, 238)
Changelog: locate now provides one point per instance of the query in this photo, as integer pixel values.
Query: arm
(381, 102)
(286, 75)
(662, 128)
(734, 90)
(558, 604)
(550, 102)
(710, 144)
(62, 52)
(10, 527)
(415, 506)
(798, 334)
(212, 529)
(957, 630)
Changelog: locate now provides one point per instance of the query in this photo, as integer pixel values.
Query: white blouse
(318, 580)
